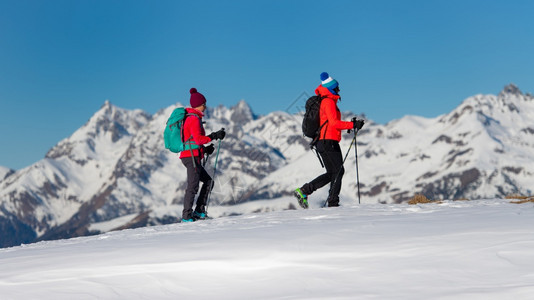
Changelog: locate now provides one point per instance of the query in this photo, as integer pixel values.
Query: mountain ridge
(115, 165)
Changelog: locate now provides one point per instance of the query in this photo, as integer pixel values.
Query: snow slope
(478, 249)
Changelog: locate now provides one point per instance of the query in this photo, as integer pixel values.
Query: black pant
(195, 174)
(330, 153)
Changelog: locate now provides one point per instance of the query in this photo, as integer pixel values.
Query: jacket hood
(322, 91)
(190, 110)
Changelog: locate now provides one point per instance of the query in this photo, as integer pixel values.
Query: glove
(209, 149)
(357, 124)
(217, 135)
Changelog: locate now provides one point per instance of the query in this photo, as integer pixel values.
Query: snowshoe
(302, 199)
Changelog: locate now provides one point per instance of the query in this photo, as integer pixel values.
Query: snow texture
(450, 250)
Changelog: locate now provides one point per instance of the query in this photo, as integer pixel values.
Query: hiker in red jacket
(328, 143)
(193, 133)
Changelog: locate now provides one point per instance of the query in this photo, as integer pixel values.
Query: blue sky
(60, 60)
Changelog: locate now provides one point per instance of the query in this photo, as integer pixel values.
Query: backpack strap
(318, 156)
(192, 155)
(183, 120)
(316, 139)
(313, 144)
(189, 141)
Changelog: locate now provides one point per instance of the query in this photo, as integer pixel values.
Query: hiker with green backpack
(184, 133)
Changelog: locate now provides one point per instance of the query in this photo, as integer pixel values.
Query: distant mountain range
(114, 172)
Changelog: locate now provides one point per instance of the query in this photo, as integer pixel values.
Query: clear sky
(60, 60)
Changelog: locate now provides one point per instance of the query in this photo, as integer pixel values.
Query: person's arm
(331, 115)
(198, 138)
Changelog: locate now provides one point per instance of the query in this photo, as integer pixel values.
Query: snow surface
(479, 249)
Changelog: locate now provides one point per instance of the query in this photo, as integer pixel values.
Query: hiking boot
(199, 215)
(302, 198)
(333, 202)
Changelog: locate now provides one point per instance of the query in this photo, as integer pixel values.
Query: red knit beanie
(197, 99)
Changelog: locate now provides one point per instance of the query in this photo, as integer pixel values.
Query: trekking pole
(339, 172)
(214, 174)
(357, 173)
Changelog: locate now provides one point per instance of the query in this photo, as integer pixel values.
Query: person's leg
(193, 178)
(323, 179)
(336, 171)
(207, 186)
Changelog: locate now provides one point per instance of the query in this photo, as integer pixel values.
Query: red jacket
(193, 127)
(330, 112)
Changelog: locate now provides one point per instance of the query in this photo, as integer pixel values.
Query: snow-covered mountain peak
(4, 172)
(109, 123)
(510, 89)
(242, 113)
(107, 111)
(509, 105)
(116, 121)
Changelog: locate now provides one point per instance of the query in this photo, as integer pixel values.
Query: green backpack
(173, 135)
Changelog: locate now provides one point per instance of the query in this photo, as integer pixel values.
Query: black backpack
(310, 124)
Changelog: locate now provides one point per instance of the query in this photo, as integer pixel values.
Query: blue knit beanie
(328, 82)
